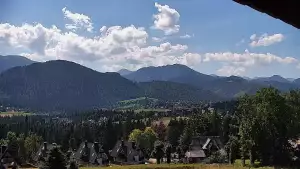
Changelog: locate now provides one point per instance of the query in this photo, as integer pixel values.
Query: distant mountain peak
(275, 78)
(10, 61)
(124, 72)
(175, 73)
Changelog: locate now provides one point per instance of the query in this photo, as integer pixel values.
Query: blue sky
(209, 37)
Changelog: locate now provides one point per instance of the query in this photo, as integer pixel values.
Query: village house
(125, 152)
(202, 147)
(9, 155)
(90, 153)
(43, 152)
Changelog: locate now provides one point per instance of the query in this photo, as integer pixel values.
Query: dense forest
(67, 86)
(261, 127)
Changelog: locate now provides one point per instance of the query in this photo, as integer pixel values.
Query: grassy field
(237, 165)
(179, 166)
(151, 110)
(14, 113)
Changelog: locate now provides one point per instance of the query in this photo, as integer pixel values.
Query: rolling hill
(176, 73)
(63, 85)
(10, 61)
(60, 85)
(170, 91)
(274, 78)
(225, 87)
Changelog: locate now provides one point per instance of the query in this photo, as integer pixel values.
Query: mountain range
(226, 87)
(7, 62)
(64, 85)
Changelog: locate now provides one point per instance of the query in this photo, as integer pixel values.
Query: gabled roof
(40, 150)
(93, 154)
(11, 152)
(128, 144)
(203, 141)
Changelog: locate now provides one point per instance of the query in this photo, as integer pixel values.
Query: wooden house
(202, 147)
(43, 152)
(9, 155)
(90, 153)
(125, 152)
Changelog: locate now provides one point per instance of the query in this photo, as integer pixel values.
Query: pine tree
(56, 160)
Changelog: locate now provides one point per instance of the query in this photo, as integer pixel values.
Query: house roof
(203, 141)
(93, 154)
(285, 10)
(11, 151)
(128, 145)
(39, 152)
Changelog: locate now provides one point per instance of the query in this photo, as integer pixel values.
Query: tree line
(261, 128)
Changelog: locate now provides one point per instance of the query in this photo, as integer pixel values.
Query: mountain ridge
(229, 87)
(10, 61)
(64, 85)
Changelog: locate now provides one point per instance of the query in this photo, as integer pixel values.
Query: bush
(217, 157)
(55, 160)
(73, 165)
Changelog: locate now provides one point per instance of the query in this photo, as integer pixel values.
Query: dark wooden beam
(286, 10)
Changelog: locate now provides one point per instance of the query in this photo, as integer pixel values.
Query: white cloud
(166, 20)
(231, 70)
(79, 21)
(186, 36)
(247, 58)
(192, 59)
(103, 29)
(265, 39)
(118, 47)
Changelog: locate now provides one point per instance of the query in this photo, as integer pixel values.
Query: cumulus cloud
(117, 47)
(231, 70)
(265, 39)
(166, 19)
(78, 21)
(192, 59)
(247, 58)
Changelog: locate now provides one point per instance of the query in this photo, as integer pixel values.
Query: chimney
(45, 146)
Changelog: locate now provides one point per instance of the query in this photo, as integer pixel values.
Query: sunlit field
(179, 166)
(14, 113)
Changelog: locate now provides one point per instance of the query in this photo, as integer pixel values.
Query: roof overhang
(285, 10)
